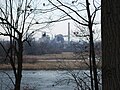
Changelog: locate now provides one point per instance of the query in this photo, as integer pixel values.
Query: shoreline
(47, 69)
(60, 62)
(52, 66)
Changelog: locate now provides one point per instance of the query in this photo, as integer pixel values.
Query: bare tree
(19, 22)
(72, 11)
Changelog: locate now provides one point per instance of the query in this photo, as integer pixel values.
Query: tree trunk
(111, 44)
(19, 63)
(92, 51)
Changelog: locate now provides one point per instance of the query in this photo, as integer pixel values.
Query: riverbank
(63, 61)
(52, 65)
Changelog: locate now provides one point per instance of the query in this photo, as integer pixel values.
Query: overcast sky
(61, 27)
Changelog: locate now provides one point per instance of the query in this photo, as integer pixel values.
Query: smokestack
(68, 33)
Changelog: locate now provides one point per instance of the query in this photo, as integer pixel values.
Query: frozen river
(42, 80)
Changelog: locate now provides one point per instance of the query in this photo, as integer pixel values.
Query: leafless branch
(67, 13)
(72, 10)
(9, 77)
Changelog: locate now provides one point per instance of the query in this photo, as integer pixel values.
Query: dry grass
(49, 65)
(65, 55)
(61, 61)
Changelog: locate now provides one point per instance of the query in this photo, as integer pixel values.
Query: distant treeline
(51, 46)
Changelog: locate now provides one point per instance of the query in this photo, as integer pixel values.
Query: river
(43, 79)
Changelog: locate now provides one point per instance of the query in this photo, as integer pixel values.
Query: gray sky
(61, 27)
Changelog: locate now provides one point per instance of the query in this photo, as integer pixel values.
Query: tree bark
(110, 44)
(19, 63)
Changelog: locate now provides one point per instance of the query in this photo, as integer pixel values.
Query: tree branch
(73, 11)
(4, 21)
(68, 14)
